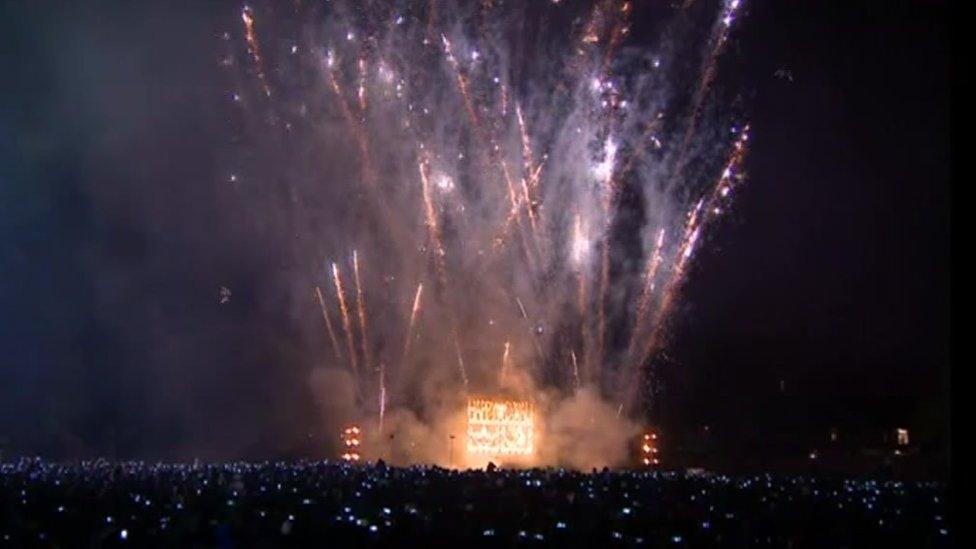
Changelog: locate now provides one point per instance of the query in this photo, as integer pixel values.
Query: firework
(328, 323)
(361, 311)
(650, 277)
(253, 48)
(422, 133)
(576, 377)
(460, 362)
(346, 323)
(462, 82)
(382, 394)
(413, 320)
(704, 211)
(719, 39)
(503, 370)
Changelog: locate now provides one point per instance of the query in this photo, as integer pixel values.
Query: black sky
(832, 275)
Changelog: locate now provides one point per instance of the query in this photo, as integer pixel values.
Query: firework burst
(515, 159)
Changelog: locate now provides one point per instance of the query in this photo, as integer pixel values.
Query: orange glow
(500, 427)
(902, 435)
(649, 450)
(350, 439)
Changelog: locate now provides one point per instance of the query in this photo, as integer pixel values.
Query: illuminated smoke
(482, 173)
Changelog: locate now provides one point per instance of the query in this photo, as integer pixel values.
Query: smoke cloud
(515, 161)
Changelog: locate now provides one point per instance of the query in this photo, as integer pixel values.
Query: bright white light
(604, 169)
(444, 183)
(385, 73)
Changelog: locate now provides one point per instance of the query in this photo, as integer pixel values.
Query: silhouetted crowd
(99, 503)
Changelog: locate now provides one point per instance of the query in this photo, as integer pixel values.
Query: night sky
(831, 277)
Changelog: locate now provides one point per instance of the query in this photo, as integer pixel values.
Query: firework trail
(529, 173)
(719, 39)
(361, 311)
(253, 48)
(433, 227)
(527, 242)
(328, 323)
(618, 31)
(351, 124)
(650, 276)
(605, 171)
(460, 362)
(576, 376)
(521, 308)
(413, 319)
(528, 158)
(462, 83)
(503, 370)
(579, 249)
(355, 127)
(382, 394)
(684, 251)
(361, 90)
(602, 298)
(704, 211)
(548, 144)
(346, 322)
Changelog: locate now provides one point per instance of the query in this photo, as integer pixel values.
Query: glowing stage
(500, 427)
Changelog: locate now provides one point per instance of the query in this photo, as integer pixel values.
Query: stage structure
(500, 427)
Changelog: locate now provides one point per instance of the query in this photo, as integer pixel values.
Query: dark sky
(833, 274)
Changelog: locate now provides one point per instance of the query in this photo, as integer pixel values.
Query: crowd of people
(101, 503)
